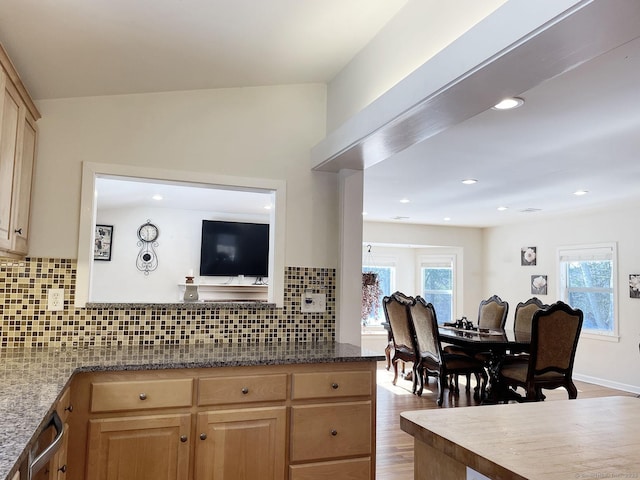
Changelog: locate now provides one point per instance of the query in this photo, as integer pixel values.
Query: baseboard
(607, 383)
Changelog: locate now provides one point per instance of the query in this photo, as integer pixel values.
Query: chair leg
(414, 371)
(395, 372)
(418, 380)
(442, 384)
(468, 387)
(387, 354)
(573, 391)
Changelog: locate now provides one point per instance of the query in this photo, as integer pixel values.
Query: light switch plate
(313, 302)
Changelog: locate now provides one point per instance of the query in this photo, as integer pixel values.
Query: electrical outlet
(313, 302)
(55, 299)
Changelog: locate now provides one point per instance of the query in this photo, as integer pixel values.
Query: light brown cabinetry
(274, 422)
(18, 138)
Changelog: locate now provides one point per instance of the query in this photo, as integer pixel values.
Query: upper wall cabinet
(18, 138)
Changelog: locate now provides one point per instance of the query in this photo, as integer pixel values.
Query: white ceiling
(578, 131)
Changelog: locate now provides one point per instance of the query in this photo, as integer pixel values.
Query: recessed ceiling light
(447, 219)
(405, 200)
(157, 196)
(580, 192)
(469, 181)
(267, 207)
(364, 213)
(509, 103)
(502, 209)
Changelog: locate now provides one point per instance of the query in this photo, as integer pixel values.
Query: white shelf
(229, 292)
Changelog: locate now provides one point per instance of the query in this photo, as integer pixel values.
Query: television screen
(234, 248)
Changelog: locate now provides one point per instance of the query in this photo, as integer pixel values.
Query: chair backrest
(425, 326)
(554, 339)
(493, 313)
(524, 314)
(396, 311)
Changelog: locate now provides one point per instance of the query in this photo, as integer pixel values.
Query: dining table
(493, 343)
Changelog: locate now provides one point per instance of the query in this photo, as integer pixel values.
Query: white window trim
(390, 261)
(455, 257)
(611, 247)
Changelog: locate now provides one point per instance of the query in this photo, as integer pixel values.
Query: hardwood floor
(394, 448)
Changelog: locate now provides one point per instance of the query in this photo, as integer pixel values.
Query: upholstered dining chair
(554, 338)
(492, 313)
(432, 360)
(396, 312)
(523, 316)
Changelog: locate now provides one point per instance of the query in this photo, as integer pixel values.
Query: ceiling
(576, 131)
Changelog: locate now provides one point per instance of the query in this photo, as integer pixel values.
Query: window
(386, 277)
(588, 282)
(438, 285)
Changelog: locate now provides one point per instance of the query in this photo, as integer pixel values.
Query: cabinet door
(9, 122)
(154, 447)
(22, 187)
(241, 444)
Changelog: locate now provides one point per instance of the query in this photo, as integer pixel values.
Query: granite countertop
(32, 379)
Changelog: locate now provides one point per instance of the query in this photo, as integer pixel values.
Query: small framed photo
(538, 284)
(634, 285)
(103, 242)
(528, 256)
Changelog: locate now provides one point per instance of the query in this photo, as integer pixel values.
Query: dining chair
(523, 316)
(492, 313)
(396, 312)
(431, 360)
(554, 338)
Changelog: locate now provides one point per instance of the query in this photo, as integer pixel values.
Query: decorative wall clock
(147, 260)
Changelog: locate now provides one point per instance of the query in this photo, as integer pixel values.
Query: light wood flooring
(394, 448)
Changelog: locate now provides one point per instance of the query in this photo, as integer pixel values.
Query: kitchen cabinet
(273, 422)
(18, 139)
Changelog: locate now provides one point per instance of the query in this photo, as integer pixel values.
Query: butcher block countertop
(554, 440)
(31, 380)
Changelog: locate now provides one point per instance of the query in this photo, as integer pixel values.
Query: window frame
(382, 262)
(603, 250)
(437, 260)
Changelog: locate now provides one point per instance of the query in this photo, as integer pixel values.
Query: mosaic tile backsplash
(26, 322)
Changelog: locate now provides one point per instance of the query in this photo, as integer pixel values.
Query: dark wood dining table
(494, 342)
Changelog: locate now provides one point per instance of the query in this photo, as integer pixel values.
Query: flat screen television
(234, 248)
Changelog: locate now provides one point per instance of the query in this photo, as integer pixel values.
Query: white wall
(470, 240)
(604, 362)
(262, 132)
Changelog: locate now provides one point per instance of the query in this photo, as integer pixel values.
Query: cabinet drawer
(330, 385)
(330, 431)
(141, 395)
(356, 469)
(242, 389)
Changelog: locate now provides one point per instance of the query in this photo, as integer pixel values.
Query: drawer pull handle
(245, 390)
(18, 231)
(203, 436)
(183, 439)
(334, 432)
(334, 386)
(143, 396)
(69, 408)
(63, 469)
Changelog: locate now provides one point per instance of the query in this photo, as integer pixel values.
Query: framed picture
(103, 242)
(538, 284)
(634, 285)
(528, 256)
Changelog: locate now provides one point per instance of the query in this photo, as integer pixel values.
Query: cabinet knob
(203, 436)
(63, 469)
(245, 390)
(18, 231)
(334, 386)
(68, 409)
(183, 439)
(334, 432)
(143, 396)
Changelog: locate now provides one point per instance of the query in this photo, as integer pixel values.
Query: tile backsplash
(26, 322)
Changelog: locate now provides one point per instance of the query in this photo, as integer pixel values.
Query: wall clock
(147, 260)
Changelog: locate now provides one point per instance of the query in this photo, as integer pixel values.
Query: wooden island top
(555, 440)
